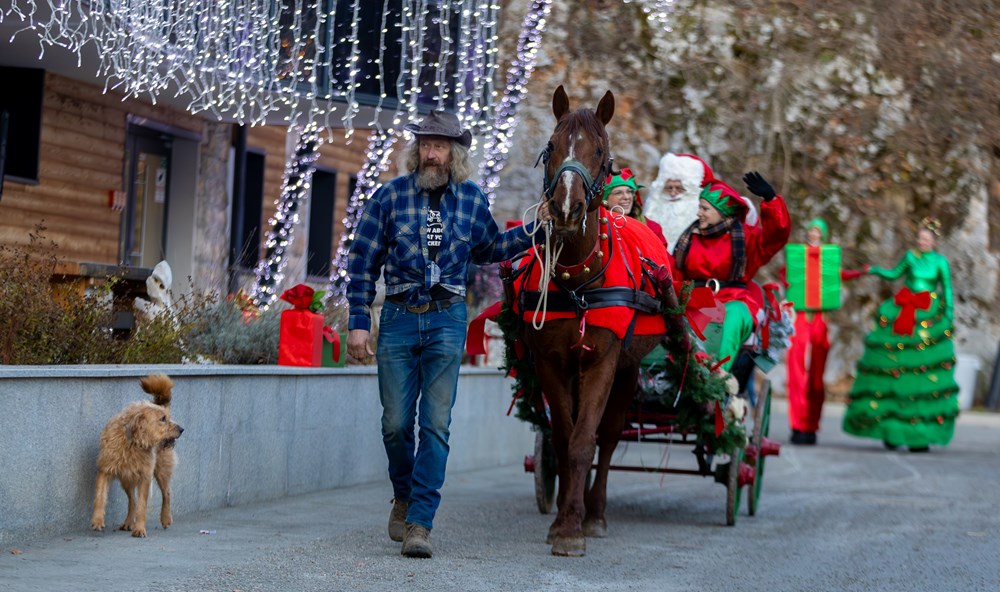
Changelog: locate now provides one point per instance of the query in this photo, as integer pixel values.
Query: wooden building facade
(125, 184)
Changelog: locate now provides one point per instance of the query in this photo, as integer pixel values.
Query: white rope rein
(546, 262)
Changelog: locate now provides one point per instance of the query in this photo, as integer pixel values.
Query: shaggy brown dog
(136, 445)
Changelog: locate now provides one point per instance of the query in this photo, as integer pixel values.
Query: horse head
(577, 160)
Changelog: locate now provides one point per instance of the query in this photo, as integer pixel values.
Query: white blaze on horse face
(568, 178)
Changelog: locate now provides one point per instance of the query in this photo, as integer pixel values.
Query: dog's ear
(137, 429)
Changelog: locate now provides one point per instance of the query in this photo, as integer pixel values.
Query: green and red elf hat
(623, 177)
(819, 224)
(725, 199)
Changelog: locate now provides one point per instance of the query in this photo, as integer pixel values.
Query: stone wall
(251, 433)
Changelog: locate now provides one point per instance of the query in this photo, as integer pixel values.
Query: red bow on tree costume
(908, 303)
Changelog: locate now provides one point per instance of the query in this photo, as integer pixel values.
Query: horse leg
(608, 434)
(560, 444)
(595, 379)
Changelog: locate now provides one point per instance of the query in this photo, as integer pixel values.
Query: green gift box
(813, 274)
(334, 350)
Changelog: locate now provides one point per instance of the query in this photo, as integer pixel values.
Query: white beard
(673, 216)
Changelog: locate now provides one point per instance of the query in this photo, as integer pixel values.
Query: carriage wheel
(545, 472)
(761, 428)
(733, 487)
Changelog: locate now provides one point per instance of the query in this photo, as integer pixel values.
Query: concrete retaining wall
(251, 434)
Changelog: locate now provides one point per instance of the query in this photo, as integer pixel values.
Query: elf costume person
(722, 251)
(673, 197)
(813, 277)
(905, 392)
(621, 190)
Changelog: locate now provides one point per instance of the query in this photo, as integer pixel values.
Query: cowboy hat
(441, 123)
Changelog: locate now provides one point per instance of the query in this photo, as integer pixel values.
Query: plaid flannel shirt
(392, 233)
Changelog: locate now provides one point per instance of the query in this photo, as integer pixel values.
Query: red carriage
(580, 323)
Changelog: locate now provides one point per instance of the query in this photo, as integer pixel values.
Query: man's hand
(544, 215)
(357, 345)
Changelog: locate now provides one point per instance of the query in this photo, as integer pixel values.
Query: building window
(246, 229)
(321, 221)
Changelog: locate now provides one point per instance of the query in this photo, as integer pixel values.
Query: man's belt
(435, 305)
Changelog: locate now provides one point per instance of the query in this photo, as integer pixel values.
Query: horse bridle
(594, 185)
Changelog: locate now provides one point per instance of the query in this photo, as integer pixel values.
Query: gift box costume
(813, 275)
(727, 256)
(905, 392)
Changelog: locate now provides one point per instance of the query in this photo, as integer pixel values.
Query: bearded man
(422, 229)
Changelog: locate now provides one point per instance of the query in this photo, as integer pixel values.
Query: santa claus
(673, 197)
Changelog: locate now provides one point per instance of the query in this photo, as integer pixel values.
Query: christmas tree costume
(905, 392)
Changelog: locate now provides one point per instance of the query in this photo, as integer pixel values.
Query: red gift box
(301, 340)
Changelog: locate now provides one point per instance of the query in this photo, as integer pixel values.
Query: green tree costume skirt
(905, 391)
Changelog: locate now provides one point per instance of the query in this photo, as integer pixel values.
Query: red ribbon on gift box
(333, 337)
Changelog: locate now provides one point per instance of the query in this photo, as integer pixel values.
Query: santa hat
(690, 170)
(729, 203)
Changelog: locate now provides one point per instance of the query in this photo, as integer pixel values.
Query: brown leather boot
(417, 542)
(397, 520)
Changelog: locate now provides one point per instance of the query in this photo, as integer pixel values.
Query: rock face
(870, 115)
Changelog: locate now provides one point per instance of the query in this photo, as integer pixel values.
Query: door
(144, 226)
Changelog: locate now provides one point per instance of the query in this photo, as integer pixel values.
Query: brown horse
(587, 373)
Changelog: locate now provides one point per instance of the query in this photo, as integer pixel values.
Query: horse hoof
(595, 528)
(569, 547)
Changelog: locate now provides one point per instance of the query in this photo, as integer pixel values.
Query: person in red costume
(720, 250)
(806, 391)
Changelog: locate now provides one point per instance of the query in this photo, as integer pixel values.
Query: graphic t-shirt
(435, 229)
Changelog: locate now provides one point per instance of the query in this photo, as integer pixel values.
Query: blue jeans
(419, 356)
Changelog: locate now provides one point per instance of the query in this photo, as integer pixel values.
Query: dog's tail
(160, 386)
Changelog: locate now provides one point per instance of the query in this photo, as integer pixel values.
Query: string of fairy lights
(380, 144)
(302, 61)
(471, 86)
(246, 60)
(295, 186)
(498, 142)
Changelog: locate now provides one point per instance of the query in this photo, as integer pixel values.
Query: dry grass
(39, 327)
